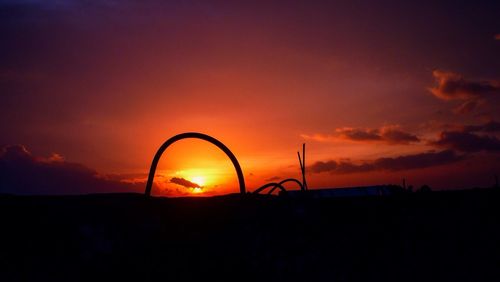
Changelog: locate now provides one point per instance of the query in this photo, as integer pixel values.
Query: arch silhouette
(195, 135)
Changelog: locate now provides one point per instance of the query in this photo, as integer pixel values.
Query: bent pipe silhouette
(272, 184)
(302, 188)
(195, 135)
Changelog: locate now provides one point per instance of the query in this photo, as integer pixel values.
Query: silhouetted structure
(276, 185)
(279, 185)
(194, 135)
(303, 166)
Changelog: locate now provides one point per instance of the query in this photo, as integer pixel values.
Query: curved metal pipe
(195, 135)
(272, 184)
(302, 188)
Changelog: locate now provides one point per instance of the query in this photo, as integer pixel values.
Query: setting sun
(200, 180)
(197, 190)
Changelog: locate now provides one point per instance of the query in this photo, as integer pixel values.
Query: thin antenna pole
(300, 161)
(303, 188)
(304, 166)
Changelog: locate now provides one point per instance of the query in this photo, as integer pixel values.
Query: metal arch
(302, 188)
(195, 135)
(272, 184)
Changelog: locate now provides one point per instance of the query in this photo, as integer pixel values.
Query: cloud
(489, 127)
(467, 142)
(319, 137)
(466, 107)
(184, 182)
(422, 160)
(453, 86)
(357, 134)
(389, 134)
(497, 36)
(393, 135)
(407, 162)
(23, 173)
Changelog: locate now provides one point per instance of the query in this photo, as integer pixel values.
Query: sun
(200, 180)
(197, 190)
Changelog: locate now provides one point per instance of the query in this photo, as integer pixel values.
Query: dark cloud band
(23, 173)
(407, 162)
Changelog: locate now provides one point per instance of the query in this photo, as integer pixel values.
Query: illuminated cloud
(467, 142)
(497, 36)
(406, 162)
(23, 173)
(389, 134)
(184, 182)
(453, 86)
(319, 137)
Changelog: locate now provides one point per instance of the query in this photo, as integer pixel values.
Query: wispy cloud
(184, 182)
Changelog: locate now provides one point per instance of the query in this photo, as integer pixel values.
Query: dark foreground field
(438, 236)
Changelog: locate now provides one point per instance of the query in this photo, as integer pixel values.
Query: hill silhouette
(435, 236)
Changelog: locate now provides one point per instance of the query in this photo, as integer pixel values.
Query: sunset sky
(378, 90)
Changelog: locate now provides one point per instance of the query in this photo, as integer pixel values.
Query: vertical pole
(304, 166)
(301, 171)
(300, 161)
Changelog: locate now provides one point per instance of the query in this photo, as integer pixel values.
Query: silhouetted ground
(438, 236)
